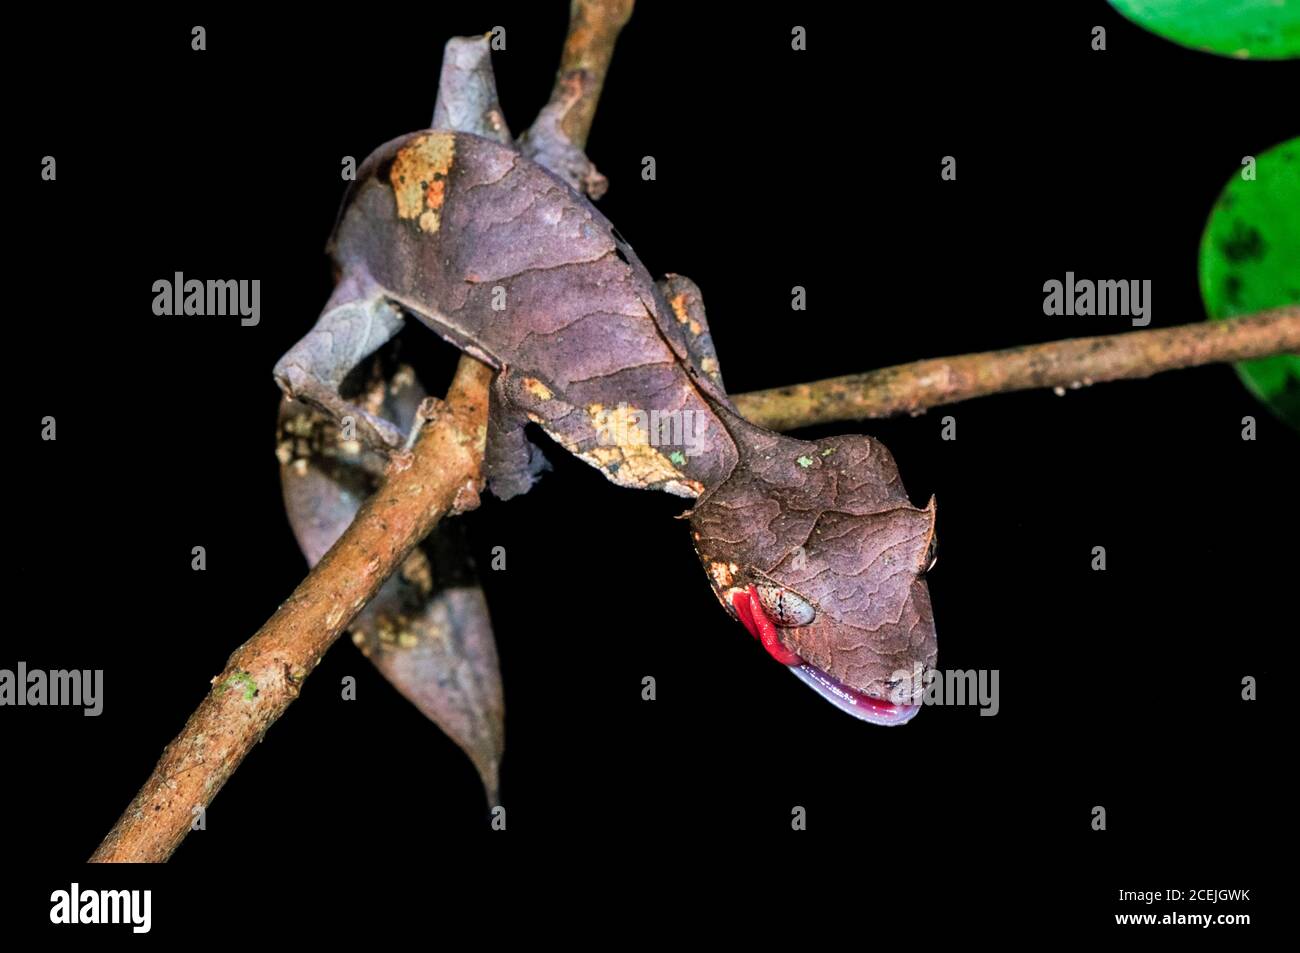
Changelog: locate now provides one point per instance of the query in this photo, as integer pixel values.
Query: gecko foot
(373, 431)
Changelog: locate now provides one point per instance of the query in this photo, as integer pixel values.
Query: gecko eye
(784, 607)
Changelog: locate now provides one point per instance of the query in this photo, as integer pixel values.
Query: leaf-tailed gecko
(813, 546)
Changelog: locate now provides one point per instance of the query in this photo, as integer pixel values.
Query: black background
(775, 168)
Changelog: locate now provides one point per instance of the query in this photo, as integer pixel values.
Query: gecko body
(813, 545)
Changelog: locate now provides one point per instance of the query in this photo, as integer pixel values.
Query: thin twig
(594, 26)
(266, 673)
(558, 136)
(912, 388)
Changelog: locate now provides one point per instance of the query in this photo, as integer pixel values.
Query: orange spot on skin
(419, 178)
(678, 302)
(723, 575)
(624, 451)
(433, 196)
(683, 315)
(537, 388)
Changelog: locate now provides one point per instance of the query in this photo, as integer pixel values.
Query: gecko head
(826, 567)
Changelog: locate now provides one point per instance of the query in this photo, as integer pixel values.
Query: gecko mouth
(850, 700)
(860, 705)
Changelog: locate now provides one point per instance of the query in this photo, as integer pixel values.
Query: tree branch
(440, 475)
(558, 135)
(594, 26)
(913, 388)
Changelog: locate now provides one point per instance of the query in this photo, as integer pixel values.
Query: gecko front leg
(512, 461)
(358, 319)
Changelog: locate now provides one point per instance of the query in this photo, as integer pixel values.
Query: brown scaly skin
(509, 263)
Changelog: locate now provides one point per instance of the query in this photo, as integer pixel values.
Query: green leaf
(1248, 29)
(1250, 261)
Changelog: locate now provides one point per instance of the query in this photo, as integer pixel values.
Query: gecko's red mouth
(858, 704)
(750, 611)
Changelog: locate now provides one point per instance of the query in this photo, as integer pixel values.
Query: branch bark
(440, 474)
(594, 26)
(913, 388)
(558, 135)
